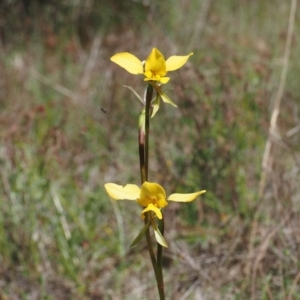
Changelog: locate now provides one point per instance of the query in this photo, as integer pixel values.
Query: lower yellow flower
(151, 195)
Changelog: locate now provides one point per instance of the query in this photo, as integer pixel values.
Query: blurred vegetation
(67, 126)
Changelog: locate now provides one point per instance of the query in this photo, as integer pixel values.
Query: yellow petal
(185, 197)
(164, 80)
(129, 62)
(152, 193)
(154, 209)
(155, 62)
(175, 62)
(118, 192)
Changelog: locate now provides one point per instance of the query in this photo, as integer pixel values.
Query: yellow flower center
(155, 65)
(152, 193)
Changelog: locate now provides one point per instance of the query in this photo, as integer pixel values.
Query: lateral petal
(185, 197)
(175, 62)
(129, 62)
(119, 192)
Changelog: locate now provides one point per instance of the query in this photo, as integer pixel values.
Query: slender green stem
(153, 260)
(161, 227)
(149, 94)
(142, 154)
(144, 158)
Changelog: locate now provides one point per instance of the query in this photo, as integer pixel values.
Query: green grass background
(67, 126)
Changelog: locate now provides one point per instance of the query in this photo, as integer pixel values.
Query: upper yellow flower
(151, 196)
(154, 68)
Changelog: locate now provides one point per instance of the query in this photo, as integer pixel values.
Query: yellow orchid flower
(151, 196)
(154, 68)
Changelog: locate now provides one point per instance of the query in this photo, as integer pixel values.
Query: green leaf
(155, 105)
(140, 235)
(137, 95)
(159, 238)
(166, 98)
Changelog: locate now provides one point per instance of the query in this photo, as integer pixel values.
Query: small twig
(91, 62)
(84, 80)
(57, 87)
(272, 130)
(192, 288)
(120, 226)
(261, 254)
(62, 216)
(38, 237)
(293, 131)
(190, 261)
(268, 290)
(277, 100)
(294, 285)
(200, 24)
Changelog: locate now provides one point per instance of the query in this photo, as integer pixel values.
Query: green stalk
(149, 94)
(142, 154)
(161, 227)
(144, 159)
